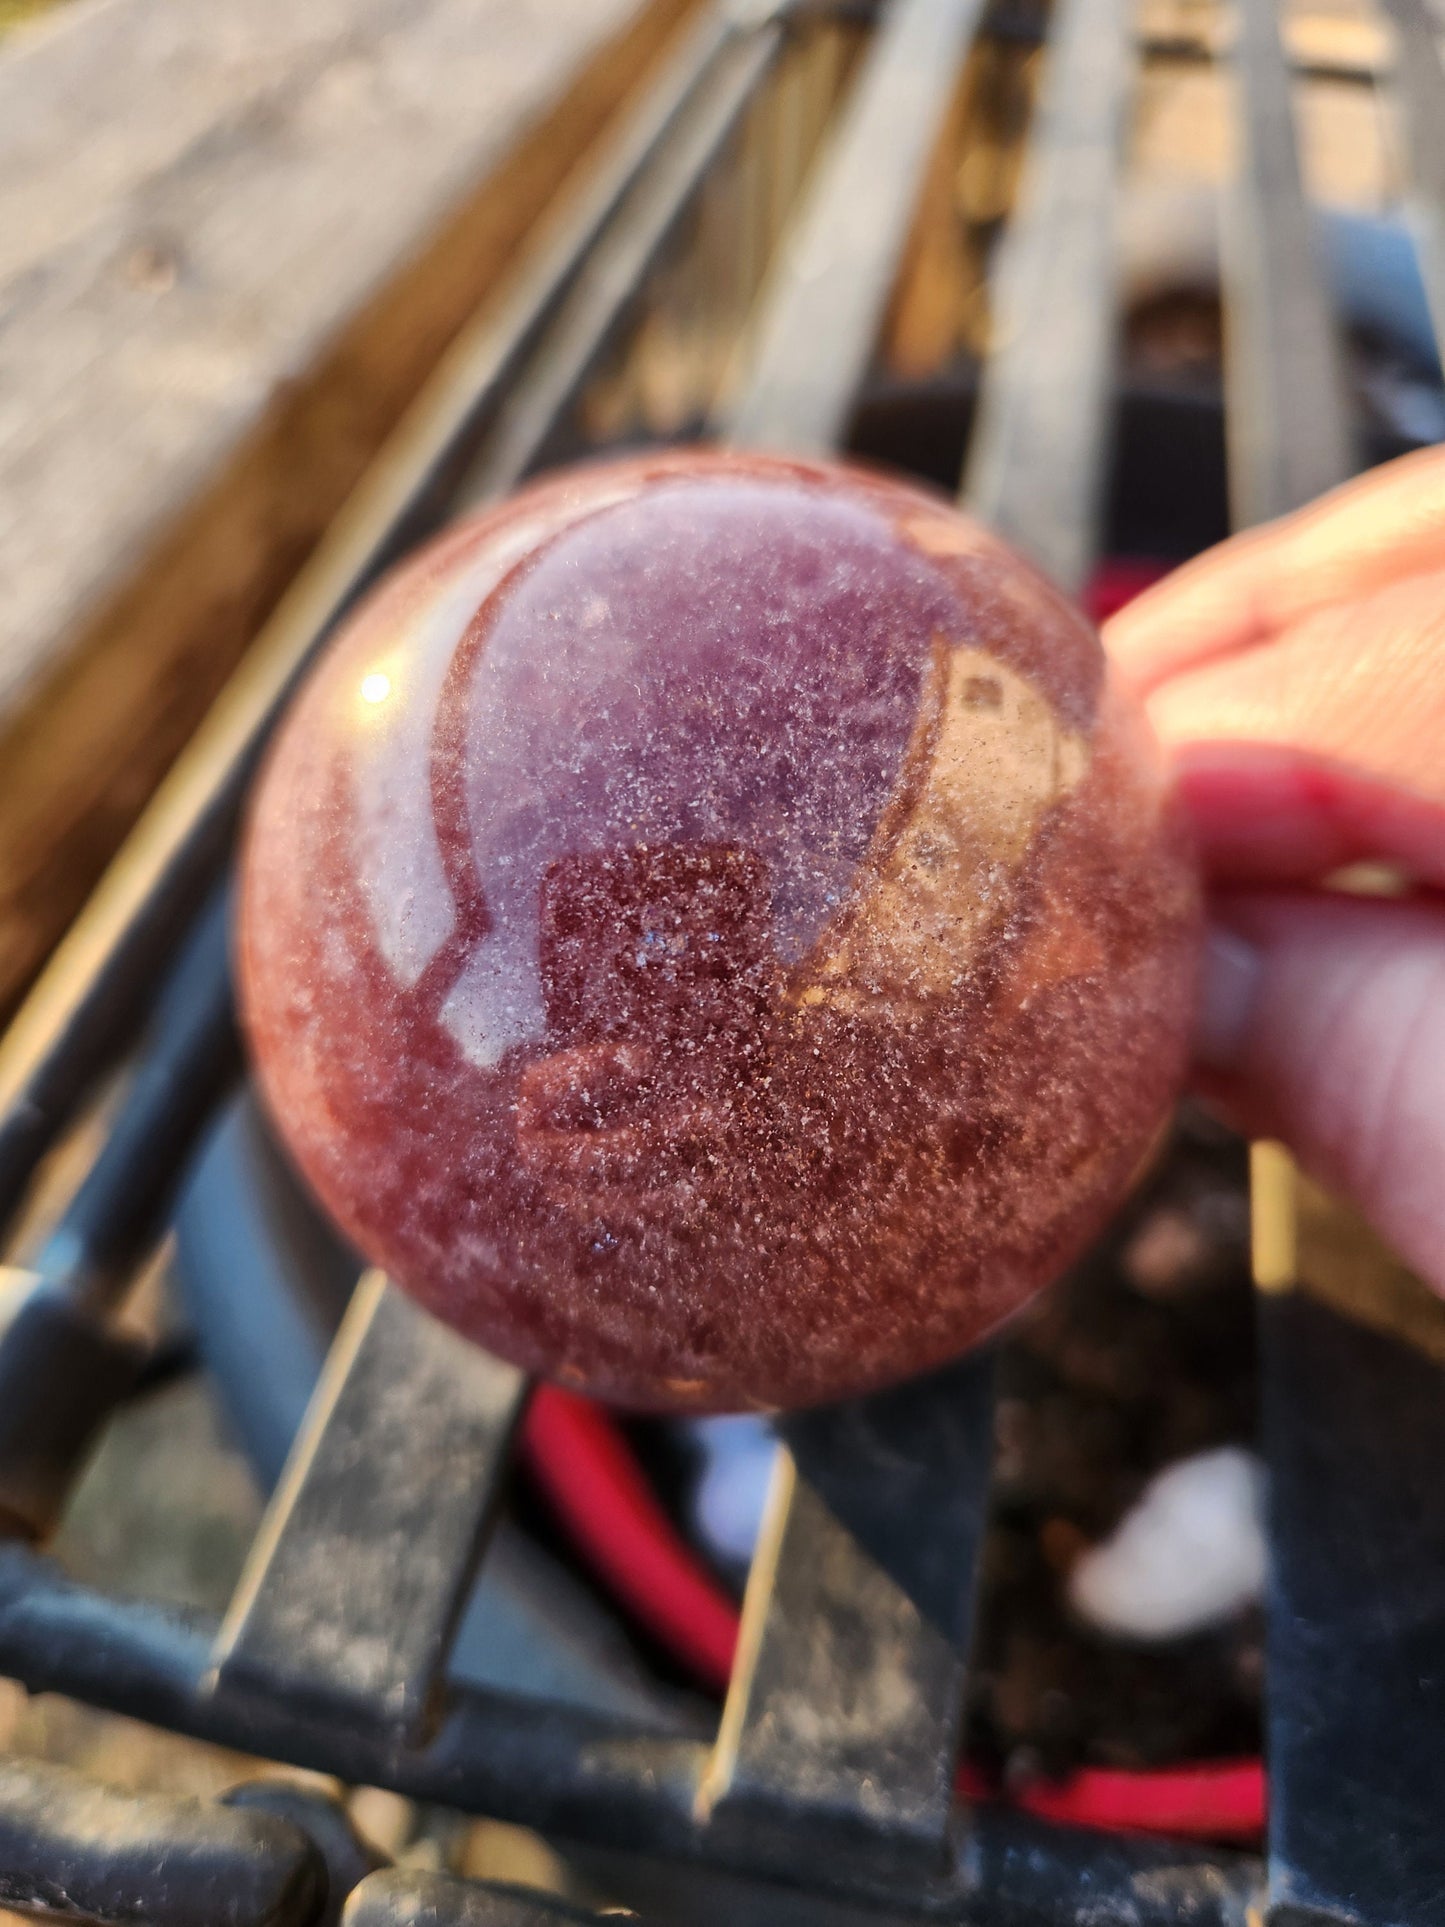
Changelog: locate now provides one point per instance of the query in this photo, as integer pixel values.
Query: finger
(1264, 814)
(1361, 683)
(1321, 746)
(1323, 1023)
(1386, 526)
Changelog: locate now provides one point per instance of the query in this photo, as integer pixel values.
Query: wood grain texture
(230, 256)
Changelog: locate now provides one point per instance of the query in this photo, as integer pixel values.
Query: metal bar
(1351, 1349)
(610, 281)
(1420, 83)
(70, 1850)
(191, 1059)
(359, 1571)
(1037, 458)
(402, 1897)
(94, 992)
(578, 1776)
(848, 1697)
(1290, 436)
(843, 1721)
(822, 314)
(352, 1589)
(64, 1364)
(1355, 1439)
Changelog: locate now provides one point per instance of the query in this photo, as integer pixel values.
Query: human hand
(1296, 676)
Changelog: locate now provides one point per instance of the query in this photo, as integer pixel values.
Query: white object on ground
(728, 1502)
(1189, 1554)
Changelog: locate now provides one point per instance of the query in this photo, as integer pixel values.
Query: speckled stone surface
(711, 930)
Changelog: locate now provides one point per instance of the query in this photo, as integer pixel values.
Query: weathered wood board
(233, 239)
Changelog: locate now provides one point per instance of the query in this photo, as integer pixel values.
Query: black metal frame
(818, 1819)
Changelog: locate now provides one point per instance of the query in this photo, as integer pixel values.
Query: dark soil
(1143, 1356)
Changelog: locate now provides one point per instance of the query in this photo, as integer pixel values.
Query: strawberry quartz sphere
(711, 930)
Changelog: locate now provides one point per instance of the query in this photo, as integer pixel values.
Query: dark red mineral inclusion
(711, 931)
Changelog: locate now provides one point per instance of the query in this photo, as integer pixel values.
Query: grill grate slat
(1355, 1438)
(361, 1564)
(847, 1702)
(1354, 1426)
(823, 315)
(1420, 78)
(1289, 432)
(1036, 464)
(616, 266)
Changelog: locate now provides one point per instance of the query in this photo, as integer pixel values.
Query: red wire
(589, 1473)
(1212, 1800)
(1118, 580)
(595, 1485)
(591, 1477)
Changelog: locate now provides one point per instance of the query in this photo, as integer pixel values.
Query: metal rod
(822, 314)
(575, 1775)
(844, 1718)
(1420, 83)
(355, 1579)
(1038, 456)
(1037, 459)
(615, 270)
(191, 1059)
(1290, 436)
(97, 986)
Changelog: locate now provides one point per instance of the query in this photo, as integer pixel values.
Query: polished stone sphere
(713, 932)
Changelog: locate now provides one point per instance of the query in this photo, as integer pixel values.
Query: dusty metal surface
(1037, 458)
(72, 1850)
(824, 310)
(354, 1583)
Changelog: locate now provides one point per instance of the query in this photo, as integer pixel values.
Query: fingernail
(1228, 993)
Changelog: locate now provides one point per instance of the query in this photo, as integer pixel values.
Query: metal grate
(332, 1654)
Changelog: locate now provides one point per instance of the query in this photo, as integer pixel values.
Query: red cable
(589, 1473)
(591, 1477)
(1213, 1800)
(1118, 580)
(595, 1485)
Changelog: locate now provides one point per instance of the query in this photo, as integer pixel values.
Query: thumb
(1323, 1023)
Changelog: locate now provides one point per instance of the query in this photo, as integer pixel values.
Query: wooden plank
(196, 373)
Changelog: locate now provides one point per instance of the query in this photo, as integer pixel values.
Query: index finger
(1383, 527)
